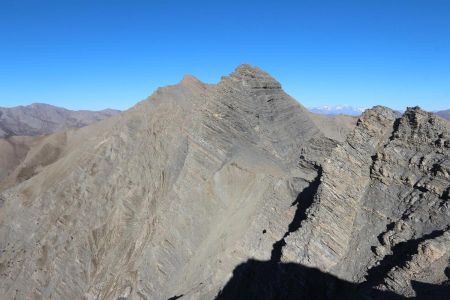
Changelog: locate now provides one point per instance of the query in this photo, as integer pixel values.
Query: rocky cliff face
(229, 191)
(40, 119)
(381, 213)
(377, 219)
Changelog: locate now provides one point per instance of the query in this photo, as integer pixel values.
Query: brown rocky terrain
(230, 191)
(22, 128)
(13, 150)
(41, 119)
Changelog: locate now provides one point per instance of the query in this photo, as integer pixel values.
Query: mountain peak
(189, 79)
(247, 68)
(253, 77)
(377, 117)
(415, 115)
(39, 105)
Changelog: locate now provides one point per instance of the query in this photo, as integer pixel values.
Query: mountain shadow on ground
(267, 280)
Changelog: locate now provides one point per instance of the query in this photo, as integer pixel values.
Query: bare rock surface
(381, 214)
(230, 191)
(41, 119)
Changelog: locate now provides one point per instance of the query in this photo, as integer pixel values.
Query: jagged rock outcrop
(229, 190)
(381, 214)
(41, 119)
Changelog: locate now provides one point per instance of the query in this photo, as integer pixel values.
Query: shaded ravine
(303, 201)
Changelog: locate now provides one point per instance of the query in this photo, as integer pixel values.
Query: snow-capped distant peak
(337, 110)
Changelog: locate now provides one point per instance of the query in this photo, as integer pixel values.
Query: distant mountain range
(444, 114)
(39, 119)
(337, 110)
(356, 111)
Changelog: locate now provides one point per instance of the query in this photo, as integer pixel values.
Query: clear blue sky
(89, 54)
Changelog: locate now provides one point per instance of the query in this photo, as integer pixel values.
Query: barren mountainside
(40, 119)
(231, 191)
(444, 114)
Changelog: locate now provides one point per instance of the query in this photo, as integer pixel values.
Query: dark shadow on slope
(396, 127)
(303, 201)
(265, 280)
(273, 280)
(431, 291)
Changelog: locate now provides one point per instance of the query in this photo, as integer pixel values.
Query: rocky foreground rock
(231, 191)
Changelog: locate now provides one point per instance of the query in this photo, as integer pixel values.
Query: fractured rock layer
(383, 198)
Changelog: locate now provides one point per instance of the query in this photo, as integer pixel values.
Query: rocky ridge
(230, 191)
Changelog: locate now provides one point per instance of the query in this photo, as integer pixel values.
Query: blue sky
(97, 54)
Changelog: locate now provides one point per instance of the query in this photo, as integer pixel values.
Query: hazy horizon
(112, 54)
